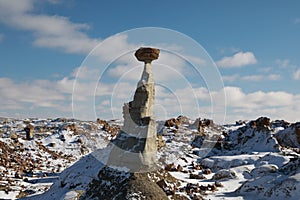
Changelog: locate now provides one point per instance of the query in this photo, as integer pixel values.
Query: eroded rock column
(135, 147)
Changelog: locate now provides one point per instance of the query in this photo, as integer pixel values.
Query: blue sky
(255, 45)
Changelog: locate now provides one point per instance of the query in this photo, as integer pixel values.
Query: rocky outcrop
(173, 123)
(200, 124)
(224, 174)
(262, 122)
(29, 131)
(285, 184)
(160, 142)
(116, 184)
(254, 136)
(289, 137)
(135, 147)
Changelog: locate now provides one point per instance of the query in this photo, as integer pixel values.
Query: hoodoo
(135, 147)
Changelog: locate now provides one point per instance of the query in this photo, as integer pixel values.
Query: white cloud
(273, 77)
(49, 31)
(39, 98)
(255, 78)
(237, 60)
(15, 7)
(265, 69)
(283, 63)
(236, 98)
(231, 78)
(277, 105)
(195, 60)
(297, 21)
(226, 50)
(296, 74)
(54, 99)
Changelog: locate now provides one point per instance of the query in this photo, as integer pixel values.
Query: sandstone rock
(183, 119)
(179, 197)
(13, 136)
(206, 171)
(224, 174)
(120, 185)
(212, 187)
(196, 166)
(179, 168)
(101, 122)
(135, 147)
(289, 137)
(162, 184)
(262, 170)
(197, 176)
(218, 184)
(200, 124)
(147, 54)
(262, 122)
(29, 131)
(160, 142)
(170, 167)
(72, 127)
(173, 123)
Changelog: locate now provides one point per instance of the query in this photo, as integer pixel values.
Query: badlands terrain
(197, 159)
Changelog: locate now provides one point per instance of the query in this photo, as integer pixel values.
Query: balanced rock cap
(147, 54)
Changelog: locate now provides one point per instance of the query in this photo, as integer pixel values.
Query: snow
(251, 163)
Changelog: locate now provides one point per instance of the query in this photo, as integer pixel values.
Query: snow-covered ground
(239, 161)
(30, 167)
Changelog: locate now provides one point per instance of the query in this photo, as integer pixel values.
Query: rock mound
(289, 137)
(122, 185)
(254, 136)
(284, 184)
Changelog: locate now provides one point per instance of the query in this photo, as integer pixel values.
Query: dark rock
(29, 132)
(170, 167)
(118, 185)
(179, 168)
(197, 176)
(262, 122)
(206, 171)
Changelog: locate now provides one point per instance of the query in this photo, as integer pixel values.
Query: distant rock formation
(135, 147)
(261, 123)
(29, 131)
(289, 137)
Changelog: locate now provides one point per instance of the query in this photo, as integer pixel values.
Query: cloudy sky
(250, 48)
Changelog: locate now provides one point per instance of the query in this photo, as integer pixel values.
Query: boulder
(224, 174)
(262, 170)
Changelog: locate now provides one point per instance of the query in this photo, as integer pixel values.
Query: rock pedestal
(29, 132)
(135, 147)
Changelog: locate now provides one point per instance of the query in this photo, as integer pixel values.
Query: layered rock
(29, 131)
(289, 137)
(135, 147)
